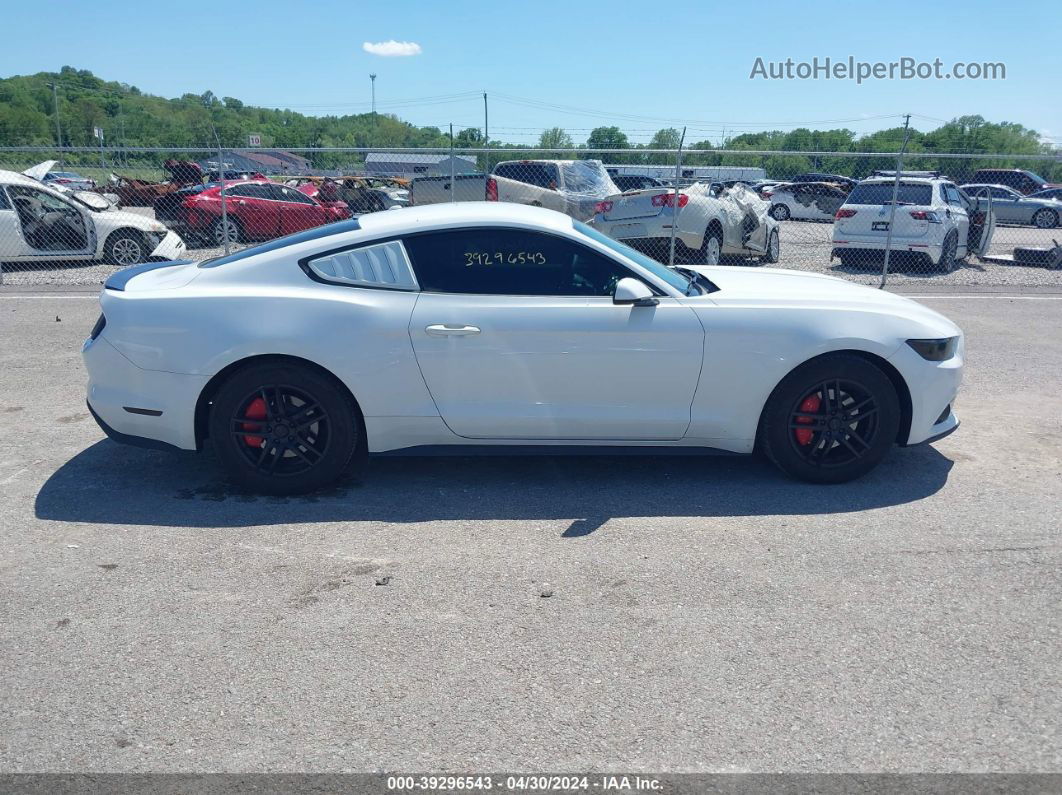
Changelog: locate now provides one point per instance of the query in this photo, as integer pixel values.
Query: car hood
(778, 288)
(114, 219)
(39, 171)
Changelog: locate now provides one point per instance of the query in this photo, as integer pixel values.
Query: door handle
(444, 330)
(241, 201)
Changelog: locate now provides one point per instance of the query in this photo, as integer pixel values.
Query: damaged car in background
(39, 223)
(573, 187)
(360, 194)
(254, 210)
(709, 221)
(806, 201)
(134, 192)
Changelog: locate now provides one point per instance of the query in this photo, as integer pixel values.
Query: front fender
(747, 353)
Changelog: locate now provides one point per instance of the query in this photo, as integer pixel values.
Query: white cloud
(392, 48)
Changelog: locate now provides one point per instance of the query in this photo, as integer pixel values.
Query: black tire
(830, 449)
(774, 249)
(947, 253)
(217, 232)
(302, 436)
(711, 247)
(126, 248)
(1045, 219)
(780, 212)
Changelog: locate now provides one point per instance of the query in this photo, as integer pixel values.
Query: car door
(297, 210)
(12, 246)
(800, 202)
(49, 225)
(1009, 206)
(955, 213)
(517, 337)
(981, 212)
(253, 205)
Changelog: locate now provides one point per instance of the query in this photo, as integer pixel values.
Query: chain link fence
(75, 215)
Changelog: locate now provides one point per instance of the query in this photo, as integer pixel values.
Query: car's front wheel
(126, 248)
(831, 420)
(774, 248)
(283, 428)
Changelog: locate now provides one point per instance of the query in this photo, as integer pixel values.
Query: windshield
(588, 177)
(676, 280)
(881, 193)
(1037, 177)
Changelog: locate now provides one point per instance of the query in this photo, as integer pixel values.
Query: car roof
(407, 219)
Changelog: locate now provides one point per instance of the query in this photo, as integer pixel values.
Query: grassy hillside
(27, 118)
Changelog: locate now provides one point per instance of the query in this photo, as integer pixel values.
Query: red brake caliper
(256, 411)
(810, 405)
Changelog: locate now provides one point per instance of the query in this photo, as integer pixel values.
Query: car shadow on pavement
(112, 484)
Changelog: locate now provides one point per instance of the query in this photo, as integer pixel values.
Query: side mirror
(633, 293)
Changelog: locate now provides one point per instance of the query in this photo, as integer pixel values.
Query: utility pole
(678, 207)
(224, 204)
(486, 136)
(895, 196)
(58, 129)
(372, 81)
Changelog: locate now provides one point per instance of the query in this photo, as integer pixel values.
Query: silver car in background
(1012, 207)
(70, 180)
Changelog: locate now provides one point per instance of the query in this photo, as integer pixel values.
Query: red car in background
(256, 210)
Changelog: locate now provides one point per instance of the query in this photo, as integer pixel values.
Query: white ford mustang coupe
(500, 324)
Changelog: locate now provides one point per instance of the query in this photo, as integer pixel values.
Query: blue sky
(618, 57)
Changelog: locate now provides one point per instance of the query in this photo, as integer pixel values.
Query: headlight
(935, 350)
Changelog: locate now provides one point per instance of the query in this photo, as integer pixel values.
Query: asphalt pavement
(626, 613)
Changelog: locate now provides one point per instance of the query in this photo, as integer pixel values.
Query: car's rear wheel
(712, 248)
(126, 248)
(831, 420)
(947, 253)
(1045, 219)
(283, 428)
(780, 212)
(230, 230)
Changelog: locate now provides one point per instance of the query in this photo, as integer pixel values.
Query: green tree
(555, 138)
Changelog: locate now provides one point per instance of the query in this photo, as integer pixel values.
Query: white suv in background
(935, 223)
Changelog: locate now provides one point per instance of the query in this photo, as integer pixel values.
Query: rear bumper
(647, 232)
(125, 438)
(137, 406)
(873, 248)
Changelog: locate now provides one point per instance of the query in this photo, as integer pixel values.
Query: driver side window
(492, 261)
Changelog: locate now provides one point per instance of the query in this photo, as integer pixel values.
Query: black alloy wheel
(284, 428)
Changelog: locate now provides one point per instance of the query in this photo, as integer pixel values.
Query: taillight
(668, 200)
(925, 215)
(602, 207)
(765, 194)
(842, 213)
(492, 189)
(96, 329)
(64, 181)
